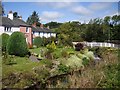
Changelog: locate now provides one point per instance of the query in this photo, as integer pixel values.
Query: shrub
(51, 47)
(52, 38)
(5, 38)
(63, 68)
(38, 41)
(78, 46)
(64, 53)
(17, 44)
(42, 71)
(74, 62)
(85, 61)
(56, 55)
(90, 55)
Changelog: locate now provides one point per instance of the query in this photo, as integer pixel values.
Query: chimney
(10, 15)
(41, 26)
(34, 24)
(20, 17)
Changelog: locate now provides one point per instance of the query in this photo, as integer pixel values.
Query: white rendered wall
(45, 35)
(1, 30)
(53, 34)
(15, 29)
(36, 34)
(41, 34)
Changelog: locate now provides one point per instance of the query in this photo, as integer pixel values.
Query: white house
(42, 31)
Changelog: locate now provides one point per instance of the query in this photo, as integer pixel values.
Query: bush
(45, 41)
(64, 40)
(38, 41)
(74, 62)
(64, 53)
(63, 68)
(85, 61)
(78, 46)
(5, 38)
(17, 44)
(51, 47)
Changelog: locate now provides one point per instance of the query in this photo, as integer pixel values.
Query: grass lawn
(20, 64)
(37, 50)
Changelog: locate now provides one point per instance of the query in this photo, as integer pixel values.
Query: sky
(63, 11)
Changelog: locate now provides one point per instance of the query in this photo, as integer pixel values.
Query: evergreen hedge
(17, 44)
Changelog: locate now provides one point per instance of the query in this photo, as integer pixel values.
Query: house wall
(13, 29)
(1, 30)
(36, 34)
(53, 34)
(28, 35)
(45, 35)
(41, 34)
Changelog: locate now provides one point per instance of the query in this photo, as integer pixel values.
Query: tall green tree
(34, 18)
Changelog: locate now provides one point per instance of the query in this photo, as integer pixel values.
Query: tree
(53, 25)
(5, 38)
(34, 18)
(69, 32)
(2, 12)
(17, 44)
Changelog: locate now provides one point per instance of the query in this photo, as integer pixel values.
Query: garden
(56, 65)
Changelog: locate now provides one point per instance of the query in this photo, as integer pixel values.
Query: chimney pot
(10, 15)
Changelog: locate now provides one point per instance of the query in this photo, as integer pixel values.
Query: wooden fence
(99, 44)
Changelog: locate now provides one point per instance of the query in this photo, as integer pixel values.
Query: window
(27, 29)
(7, 29)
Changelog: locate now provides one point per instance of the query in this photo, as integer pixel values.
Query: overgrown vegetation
(105, 71)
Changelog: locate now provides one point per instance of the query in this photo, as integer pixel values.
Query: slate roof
(18, 22)
(6, 22)
(12, 23)
(38, 29)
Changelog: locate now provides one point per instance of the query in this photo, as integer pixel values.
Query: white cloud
(57, 5)
(81, 10)
(100, 5)
(61, 4)
(50, 15)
